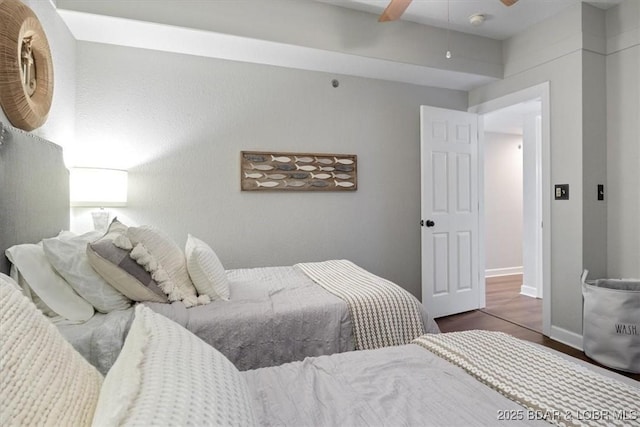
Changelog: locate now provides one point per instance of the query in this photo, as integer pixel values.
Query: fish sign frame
(274, 171)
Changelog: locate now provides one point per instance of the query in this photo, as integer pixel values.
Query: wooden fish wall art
(268, 171)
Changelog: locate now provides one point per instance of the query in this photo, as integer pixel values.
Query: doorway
(512, 208)
(536, 220)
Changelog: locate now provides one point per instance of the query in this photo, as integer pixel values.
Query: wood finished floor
(504, 305)
(505, 301)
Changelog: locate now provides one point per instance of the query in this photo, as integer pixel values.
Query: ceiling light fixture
(477, 19)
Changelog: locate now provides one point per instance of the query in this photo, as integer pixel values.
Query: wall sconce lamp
(94, 187)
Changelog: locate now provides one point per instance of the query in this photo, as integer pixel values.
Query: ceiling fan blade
(394, 10)
(509, 2)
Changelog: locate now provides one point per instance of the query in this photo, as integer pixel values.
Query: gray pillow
(119, 270)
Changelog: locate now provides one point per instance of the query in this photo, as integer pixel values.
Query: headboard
(34, 190)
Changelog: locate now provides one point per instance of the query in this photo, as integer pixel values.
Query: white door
(450, 226)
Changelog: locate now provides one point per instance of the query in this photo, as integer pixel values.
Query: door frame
(541, 91)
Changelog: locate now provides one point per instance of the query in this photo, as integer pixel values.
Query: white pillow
(32, 296)
(44, 381)
(55, 292)
(69, 258)
(206, 270)
(165, 375)
(158, 252)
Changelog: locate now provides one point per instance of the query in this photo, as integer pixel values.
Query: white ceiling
(501, 22)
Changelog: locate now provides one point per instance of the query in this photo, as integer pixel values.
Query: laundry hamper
(611, 327)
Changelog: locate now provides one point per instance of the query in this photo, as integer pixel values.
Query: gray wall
(534, 57)
(179, 122)
(566, 168)
(503, 201)
(594, 155)
(623, 140)
(594, 79)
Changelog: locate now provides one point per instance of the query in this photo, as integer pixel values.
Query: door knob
(430, 223)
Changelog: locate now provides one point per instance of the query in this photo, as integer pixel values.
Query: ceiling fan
(396, 8)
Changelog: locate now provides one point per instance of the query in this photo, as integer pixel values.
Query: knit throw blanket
(550, 387)
(383, 314)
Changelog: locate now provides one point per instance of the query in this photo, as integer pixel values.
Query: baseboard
(529, 291)
(495, 272)
(566, 337)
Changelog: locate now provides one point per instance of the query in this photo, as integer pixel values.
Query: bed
(273, 314)
(165, 375)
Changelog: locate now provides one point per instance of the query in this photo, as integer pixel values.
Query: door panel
(463, 134)
(441, 182)
(449, 155)
(463, 181)
(464, 260)
(440, 270)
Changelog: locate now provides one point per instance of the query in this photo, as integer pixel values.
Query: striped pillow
(206, 270)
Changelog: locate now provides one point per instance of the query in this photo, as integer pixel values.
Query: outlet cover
(561, 192)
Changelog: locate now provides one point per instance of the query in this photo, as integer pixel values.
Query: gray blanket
(275, 315)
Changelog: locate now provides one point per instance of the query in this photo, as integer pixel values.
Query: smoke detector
(476, 19)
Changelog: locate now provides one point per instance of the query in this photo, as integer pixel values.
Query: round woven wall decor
(26, 69)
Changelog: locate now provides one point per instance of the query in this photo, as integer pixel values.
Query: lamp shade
(93, 187)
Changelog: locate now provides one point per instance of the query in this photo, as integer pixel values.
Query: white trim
(482, 282)
(546, 207)
(507, 271)
(541, 91)
(566, 337)
(529, 291)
